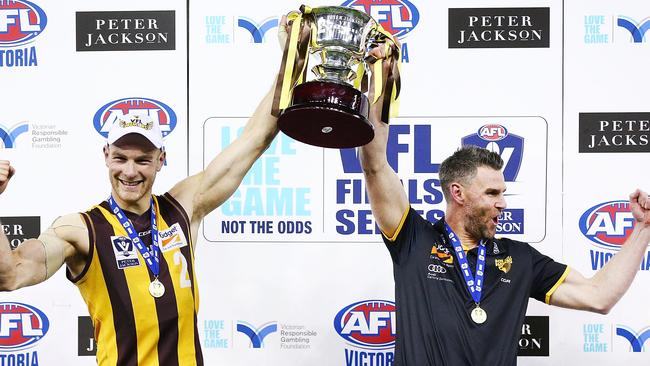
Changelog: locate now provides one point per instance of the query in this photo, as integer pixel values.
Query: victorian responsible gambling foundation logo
(9, 135)
(368, 328)
(637, 340)
(607, 225)
(222, 29)
(256, 335)
(22, 326)
(399, 17)
(603, 29)
(111, 111)
(20, 23)
(499, 28)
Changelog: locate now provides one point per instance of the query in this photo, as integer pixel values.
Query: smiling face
(132, 166)
(484, 202)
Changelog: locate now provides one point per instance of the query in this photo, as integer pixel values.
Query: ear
(457, 193)
(105, 150)
(161, 160)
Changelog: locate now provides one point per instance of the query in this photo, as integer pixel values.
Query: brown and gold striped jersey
(132, 327)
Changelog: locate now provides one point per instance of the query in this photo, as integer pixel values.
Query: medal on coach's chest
(474, 283)
(151, 257)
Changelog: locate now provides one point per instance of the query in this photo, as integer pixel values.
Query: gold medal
(156, 288)
(479, 316)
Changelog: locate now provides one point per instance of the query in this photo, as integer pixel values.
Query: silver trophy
(332, 109)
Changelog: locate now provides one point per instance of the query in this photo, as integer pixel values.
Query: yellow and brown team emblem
(504, 264)
(445, 257)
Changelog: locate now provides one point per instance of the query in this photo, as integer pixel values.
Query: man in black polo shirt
(461, 295)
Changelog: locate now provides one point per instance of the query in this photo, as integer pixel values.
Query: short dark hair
(461, 166)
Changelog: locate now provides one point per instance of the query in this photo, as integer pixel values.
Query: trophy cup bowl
(329, 111)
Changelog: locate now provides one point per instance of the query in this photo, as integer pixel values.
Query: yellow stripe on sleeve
(399, 227)
(557, 284)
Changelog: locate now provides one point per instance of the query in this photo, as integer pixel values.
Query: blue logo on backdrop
(398, 17)
(637, 30)
(257, 335)
(257, 31)
(9, 135)
(495, 137)
(111, 111)
(20, 23)
(637, 340)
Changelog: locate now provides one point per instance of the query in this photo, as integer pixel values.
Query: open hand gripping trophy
(332, 110)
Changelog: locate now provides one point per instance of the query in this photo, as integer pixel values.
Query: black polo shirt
(433, 303)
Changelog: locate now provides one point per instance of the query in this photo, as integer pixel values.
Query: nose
(501, 203)
(130, 170)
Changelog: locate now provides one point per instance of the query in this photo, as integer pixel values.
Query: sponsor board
(368, 328)
(22, 327)
(21, 22)
(297, 192)
(126, 30)
(398, 17)
(499, 28)
(20, 228)
(534, 339)
(222, 334)
(607, 225)
(614, 132)
(621, 29)
(86, 343)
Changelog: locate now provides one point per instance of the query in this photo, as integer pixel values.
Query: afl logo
(159, 112)
(368, 324)
(608, 224)
(20, 22)
(396, 16)
(492, 132)
(21, 326)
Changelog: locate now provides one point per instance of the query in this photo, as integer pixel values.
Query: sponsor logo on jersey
(126, 254)
(172, 238)
(504, 264)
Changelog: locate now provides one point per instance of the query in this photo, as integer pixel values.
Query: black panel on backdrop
(86, 345)
(614, 132)
(534, 337)
(499, 27)
(126, 30)
(19, 228)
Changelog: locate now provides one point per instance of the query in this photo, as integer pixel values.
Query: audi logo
(436, 268)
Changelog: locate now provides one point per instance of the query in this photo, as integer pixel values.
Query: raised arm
(36, 260)
(205, 191)
(602, 291)
(388, 200)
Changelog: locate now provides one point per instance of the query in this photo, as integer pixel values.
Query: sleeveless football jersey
(131, 326)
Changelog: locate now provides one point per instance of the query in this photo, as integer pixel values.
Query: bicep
(575, 292)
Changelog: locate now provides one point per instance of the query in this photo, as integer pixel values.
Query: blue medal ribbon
(474, 284)
(150, 257)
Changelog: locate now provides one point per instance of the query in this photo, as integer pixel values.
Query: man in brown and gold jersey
(142, 298)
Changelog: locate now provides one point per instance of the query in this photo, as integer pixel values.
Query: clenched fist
(6, 172)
